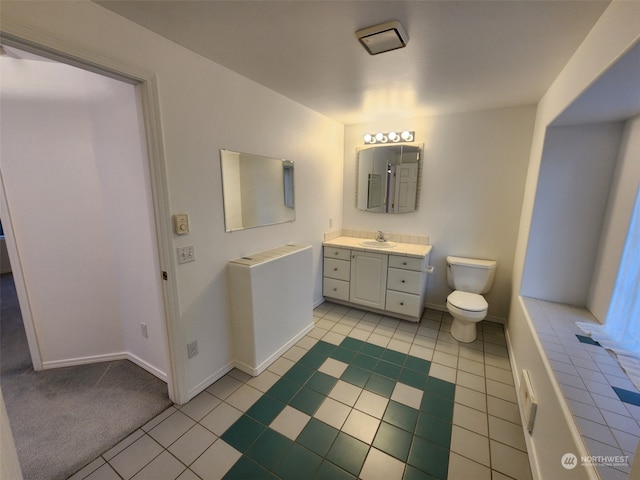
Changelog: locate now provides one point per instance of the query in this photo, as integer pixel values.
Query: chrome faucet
(380, 237)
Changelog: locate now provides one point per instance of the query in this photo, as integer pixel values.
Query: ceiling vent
(383, 38)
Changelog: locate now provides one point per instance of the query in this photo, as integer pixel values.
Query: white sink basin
(376, 244)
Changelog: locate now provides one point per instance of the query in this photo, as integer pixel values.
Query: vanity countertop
(405, 249)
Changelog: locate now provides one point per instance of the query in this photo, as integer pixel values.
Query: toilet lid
(471, 302)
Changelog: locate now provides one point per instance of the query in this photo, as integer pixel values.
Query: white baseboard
(210, 380)
(73, 362)
(148, 367)
(107, 357)
(272, 358)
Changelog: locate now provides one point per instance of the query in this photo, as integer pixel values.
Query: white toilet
(470, 278)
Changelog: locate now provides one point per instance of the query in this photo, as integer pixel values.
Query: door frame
(146, 85)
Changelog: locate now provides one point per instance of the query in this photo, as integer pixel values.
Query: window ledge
(587, 374)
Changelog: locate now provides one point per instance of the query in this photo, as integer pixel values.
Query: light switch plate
(186, 254)
(181, 223)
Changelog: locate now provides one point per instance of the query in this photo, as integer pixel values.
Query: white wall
(575, 177)
(615, 33)
(79, 196)
(473, 176)
(620, 206)
(205, 107)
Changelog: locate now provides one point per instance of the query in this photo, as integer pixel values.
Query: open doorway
(79, 218)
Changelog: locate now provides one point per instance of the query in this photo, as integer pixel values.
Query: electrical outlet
(192, 349)
(186, 254)
(143, 329)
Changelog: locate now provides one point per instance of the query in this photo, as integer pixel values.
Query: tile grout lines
(237, 393)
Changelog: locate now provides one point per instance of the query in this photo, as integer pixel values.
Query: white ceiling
(461, 56)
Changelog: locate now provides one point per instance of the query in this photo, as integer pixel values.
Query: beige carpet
(64, 418)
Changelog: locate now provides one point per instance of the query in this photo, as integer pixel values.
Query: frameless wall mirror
(256, 190)
(388, 179)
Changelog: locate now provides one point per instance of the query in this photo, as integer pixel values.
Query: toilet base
(464, 332)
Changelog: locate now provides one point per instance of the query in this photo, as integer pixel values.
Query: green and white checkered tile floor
(361, 396)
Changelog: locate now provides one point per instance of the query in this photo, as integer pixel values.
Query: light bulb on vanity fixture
(393, 137)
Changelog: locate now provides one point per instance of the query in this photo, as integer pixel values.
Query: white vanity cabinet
(368, 279)
(406, 282)
(336, 271)
(380, 282)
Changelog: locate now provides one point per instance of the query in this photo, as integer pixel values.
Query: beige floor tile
(470, 445)
(342, 329)
(333, 367)
(221, 418)
(510, 461)
(244, 397)
(471, 366)
(105, 472)
(359, 334)
(407, 395)
(380, 466)
(333, 413)
(501, 390)
(316, 333)
(264, 381)
(192, 444)
(307, 342)
(497, 361)
(164, 467)
(133, 459)
(423, 341)
(295, 353)
(445, 359)
(200, 406)
(334, 338)
(239, 375)
(469, 380)
(403, 335)
(378, 339)
(224, 387)
(216, 461)
(399, 345)
(290, 422)
(188, 475)
(108, 455)
(421, 352)
(160, 418)
(361, 426)
(372, 404)
(345, 392)
(503, 409)
(281, 365)
(499, 374)
(448, 374)
(471, 419)
(461, 468)
(89, 469)
(171, 429)
(507, 433)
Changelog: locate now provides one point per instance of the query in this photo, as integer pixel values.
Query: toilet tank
(470, 274)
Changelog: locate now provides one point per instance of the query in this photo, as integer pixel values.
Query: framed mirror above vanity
(256, 190)
(388, 179)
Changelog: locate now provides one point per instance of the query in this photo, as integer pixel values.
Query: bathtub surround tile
(608, 424)
(628, 396)
(338, 405)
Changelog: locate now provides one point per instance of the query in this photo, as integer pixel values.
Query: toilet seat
(470, 302)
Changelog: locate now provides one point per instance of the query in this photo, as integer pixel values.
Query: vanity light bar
(393, 137)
